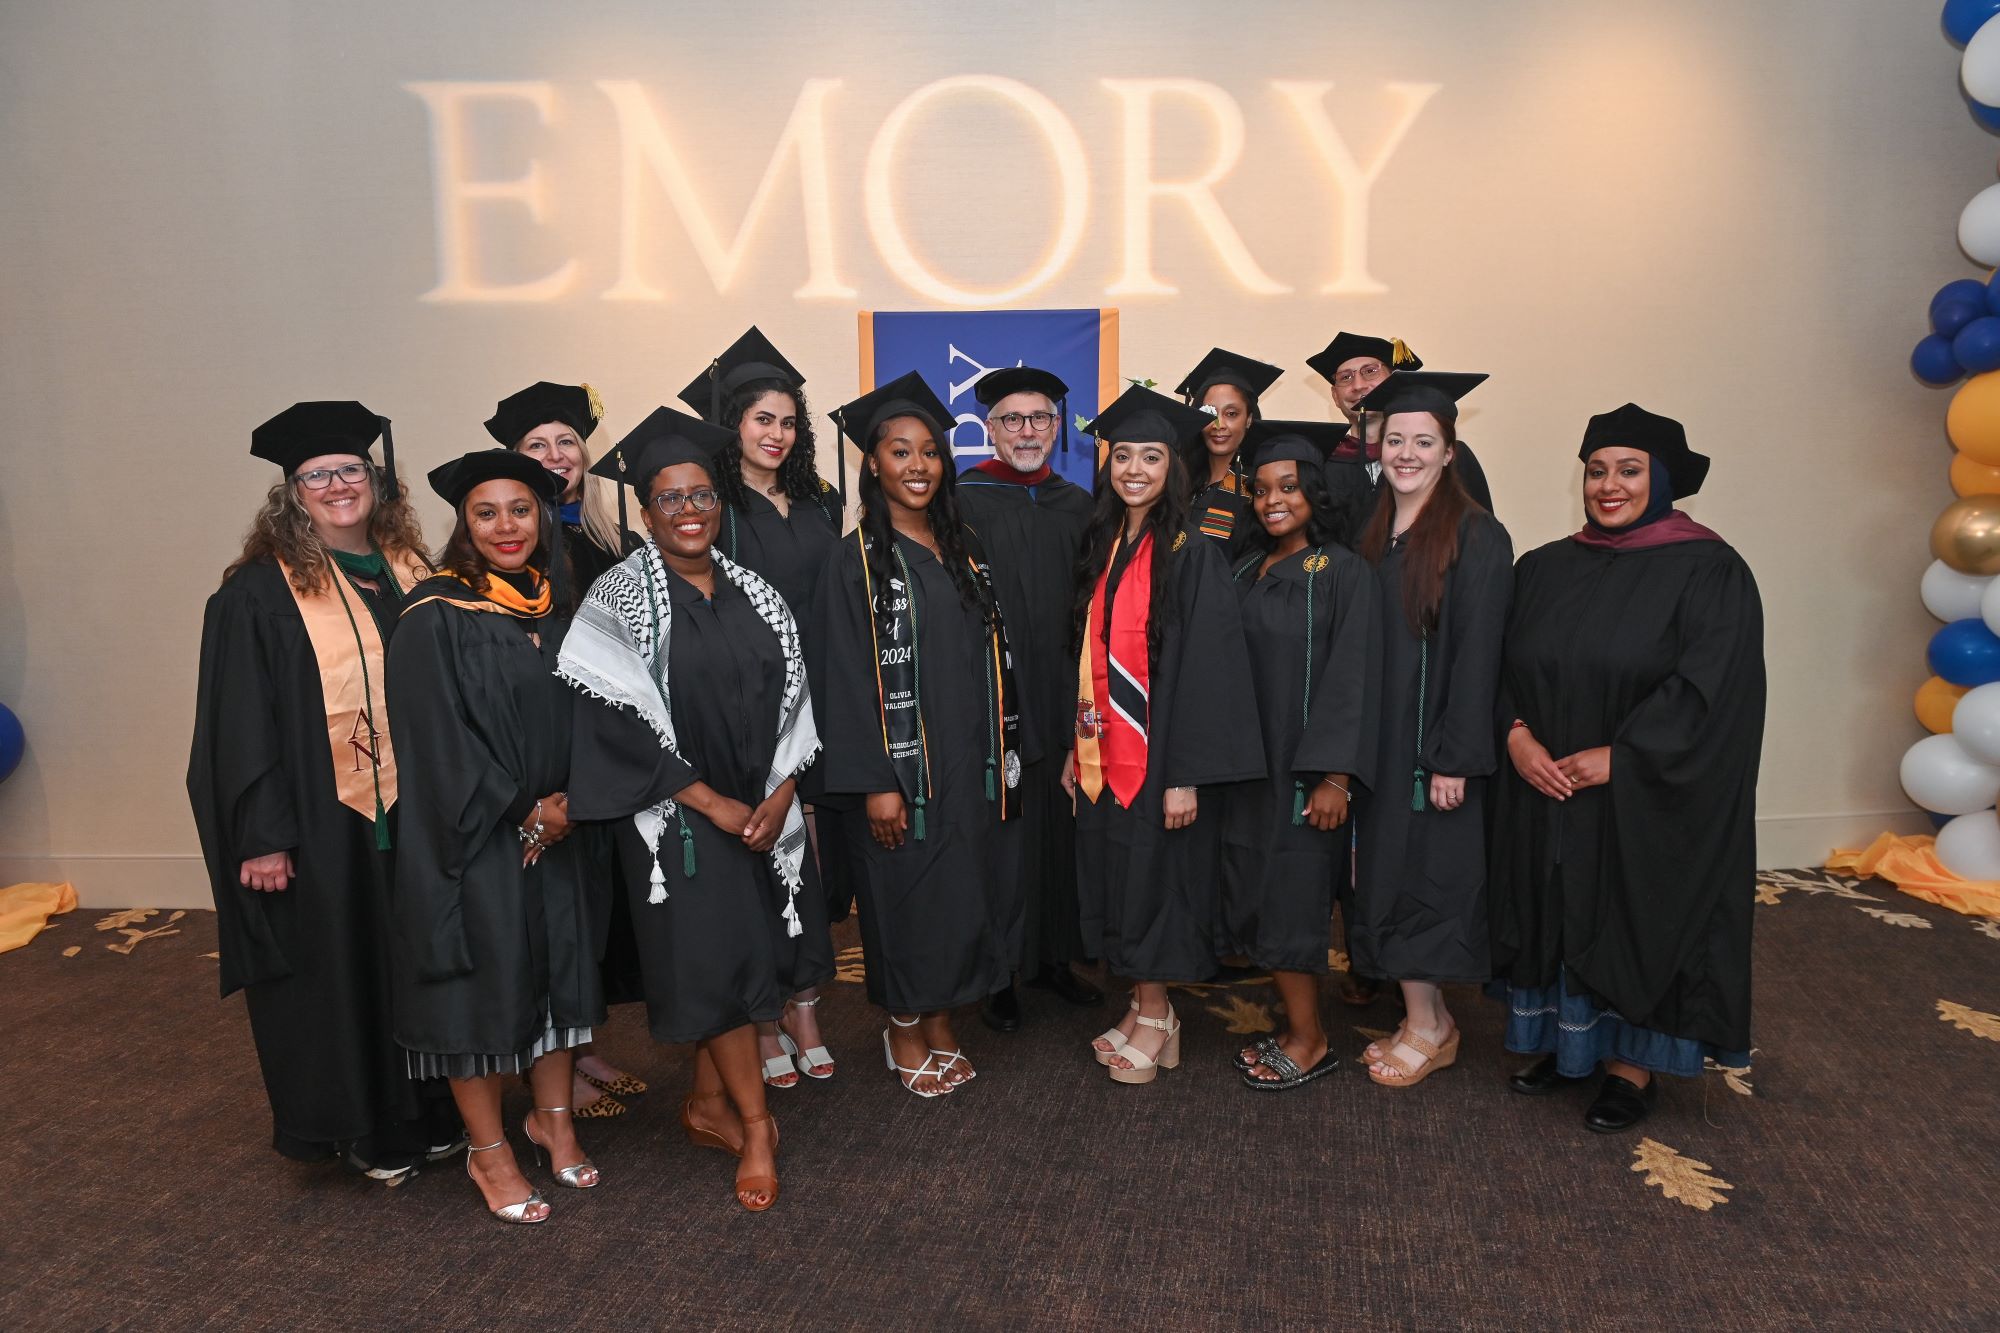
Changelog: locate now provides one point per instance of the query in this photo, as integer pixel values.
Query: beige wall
(1731, 213)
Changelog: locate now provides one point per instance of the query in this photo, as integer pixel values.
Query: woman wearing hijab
(693, 726)
(495, 954)
(552, 424)
(923, 723)
(1309, 617)
(780, 521)
(1624, 837)
(1226, 385)
(1443, 566)
(1161, 714)
(293, 780)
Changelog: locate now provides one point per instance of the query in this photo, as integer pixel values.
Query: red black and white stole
(1113, 680)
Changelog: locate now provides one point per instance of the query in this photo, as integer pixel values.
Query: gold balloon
(1936, 698)
(1966, 535)
(1969, 477)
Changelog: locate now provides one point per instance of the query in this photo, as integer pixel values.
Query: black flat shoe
(1540, 1078)
(1002, 1010)
(1068, 986)
(1620, 1105)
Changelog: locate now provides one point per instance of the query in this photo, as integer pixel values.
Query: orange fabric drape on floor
(26, 908)
(1911, 864)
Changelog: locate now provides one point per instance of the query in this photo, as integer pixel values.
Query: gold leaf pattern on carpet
(1967, 1019)
(131, 916)
(1244, 1017)
(1682, 1179)
(1889, 918)
(1338, 961)
(1815, 882)
(848, 965)
(1769, 894)
(73, 951)
(1734, 1077)
(1988, 926)
(132, 935)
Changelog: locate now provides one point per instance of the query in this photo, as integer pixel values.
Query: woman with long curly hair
(293, 780)
(922, 721)
(1162, 711)
(781, 521)
(1227, 386)
(1444, 570)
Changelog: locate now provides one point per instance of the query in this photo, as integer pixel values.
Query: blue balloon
(1957, 304)
(12, 742)
(1965, 652)
(1988, 116)
(1962, 18)
(1938, 820)
(1977, 345)
(1934, 362)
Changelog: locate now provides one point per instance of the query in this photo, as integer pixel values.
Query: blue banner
(952, 349)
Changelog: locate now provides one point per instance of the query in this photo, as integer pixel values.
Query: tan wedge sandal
(1435, 1058)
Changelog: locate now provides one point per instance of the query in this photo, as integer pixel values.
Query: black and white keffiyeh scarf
(616, 650)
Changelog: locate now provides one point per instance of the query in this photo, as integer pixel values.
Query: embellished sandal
(1112, 1035)
(813, 1057)
(765, 1185)
(702, 1137)
(625, 1085)
(1289, 1075)
(582, 1176)
(522, 1213)
(1146, 1068)
(910, 1076)
(1261, 1045)
(1436, 1057)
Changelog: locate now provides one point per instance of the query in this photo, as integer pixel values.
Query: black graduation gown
(1279, 879)
(1032, 536)
(714, 954)
(927, 908)
(488, 953)
(312, 959)
(1420, 875)
(587, 559)
(789, 551)
(1641, 888)
(1150, 896)
(1350, 477)
(1223, 513)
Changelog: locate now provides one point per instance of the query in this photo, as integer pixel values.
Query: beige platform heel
(1144, 1068)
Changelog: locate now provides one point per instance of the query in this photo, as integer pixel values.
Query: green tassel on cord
(989, 779)
(381, 825)
(920, 819)
(687, 847)
(1298, 802)
(1417, 796)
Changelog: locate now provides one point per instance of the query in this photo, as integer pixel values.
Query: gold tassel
(597, 404)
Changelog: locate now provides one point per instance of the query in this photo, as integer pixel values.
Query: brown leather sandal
(1435, 1058)
(765, 1185)
(702, 1137)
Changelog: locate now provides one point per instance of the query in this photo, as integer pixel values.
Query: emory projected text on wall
(653, 182)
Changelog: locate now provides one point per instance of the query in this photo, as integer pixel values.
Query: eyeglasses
(670, 503)
(1015, 420)
(322, 477)
(1363, 375)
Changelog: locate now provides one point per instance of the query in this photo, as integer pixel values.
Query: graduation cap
(751, 357)
(308, 430)
(907, 395)
(1434, 391)
(1222, 366)
(574, 405)
(994, 385)
(1663, 438)
(1147, 416)
(457, 479)
(1347, 346)
(664, 439)
(1293, 441)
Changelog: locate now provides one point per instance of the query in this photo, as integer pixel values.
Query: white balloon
(1940, 776)
(1969, 846)
(1979, 71)
(1950, 595)
(1975, 724)
(1989, 603)
(1979, 227)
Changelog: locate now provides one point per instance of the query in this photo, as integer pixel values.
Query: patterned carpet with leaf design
(1850, 1178)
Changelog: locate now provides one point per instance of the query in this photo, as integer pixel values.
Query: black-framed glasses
(322, 477)
(1016, 420)
(670, 503)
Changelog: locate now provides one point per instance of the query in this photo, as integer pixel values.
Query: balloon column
(1955, 772)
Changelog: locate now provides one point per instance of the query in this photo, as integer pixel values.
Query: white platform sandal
(1112, 1035)
(1145, 1068)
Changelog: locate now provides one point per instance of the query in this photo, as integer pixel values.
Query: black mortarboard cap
(307, 430)
(1346, 346)
(574, 405)
(1147, 416)
(907, 395)
(1633, 427)
(997, 384)
(751, 357)
(456, 479)
(1296, 441)
(1222, 366)
(664, 438)
(1434, 391)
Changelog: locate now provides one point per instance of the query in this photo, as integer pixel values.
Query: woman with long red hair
(1445, 570)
